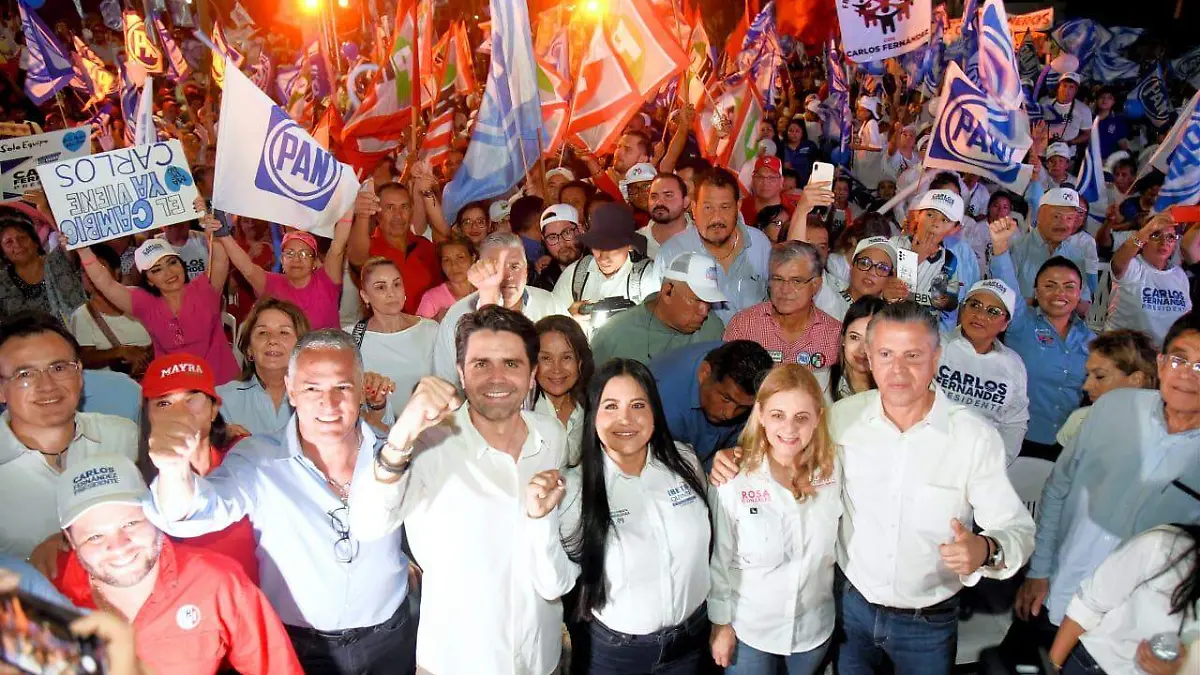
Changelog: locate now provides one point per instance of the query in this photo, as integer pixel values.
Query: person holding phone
(1151, 291)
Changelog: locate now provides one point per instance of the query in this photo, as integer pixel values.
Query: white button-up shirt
(656, 556)
(900, 491)
(27, 481)
(483, 608)
(1128, 599)
(574, 426)
(772, 566)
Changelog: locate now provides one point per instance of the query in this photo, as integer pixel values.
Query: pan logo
(965, 132)
(294, 166)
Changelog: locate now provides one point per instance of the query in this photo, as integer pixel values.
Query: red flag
(810, 21)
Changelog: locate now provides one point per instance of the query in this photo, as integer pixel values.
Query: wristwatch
(996, 559)
(1141, 243)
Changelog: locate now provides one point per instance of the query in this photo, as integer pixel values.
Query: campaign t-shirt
(1149, 299)
(994, 384)
(319, 298)
(194, 254)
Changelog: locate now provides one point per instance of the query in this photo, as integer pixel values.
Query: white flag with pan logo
(873, 30)
(269, 167)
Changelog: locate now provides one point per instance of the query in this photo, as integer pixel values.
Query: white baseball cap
(559, 213)
(945, 201)
(560, 171)
(95, 481)
(1072, 76)
(640, 173)
(870, 103)
(1058, 150)
(1060, 197)
(151, 251)
(499, 210)
(880, 243)
(699, 272)
(999, 289)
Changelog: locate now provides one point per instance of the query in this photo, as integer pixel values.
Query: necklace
(342, 490)
(737, 237)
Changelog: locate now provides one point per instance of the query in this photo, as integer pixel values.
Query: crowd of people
(674, 418)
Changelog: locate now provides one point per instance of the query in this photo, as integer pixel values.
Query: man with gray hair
(789, 325)
(500, 277)
(918, 471)
(343, 600)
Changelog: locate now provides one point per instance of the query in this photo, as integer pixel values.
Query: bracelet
(381, 406)
(93, 261)
(1141, 244)
(389, 467)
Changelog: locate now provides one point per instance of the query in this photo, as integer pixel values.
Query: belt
(941, 609)
(351, 634)
(695, 623)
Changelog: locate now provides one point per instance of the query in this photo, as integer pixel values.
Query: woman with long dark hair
(636, 531)
(851, 374)
(1147, 587)
(564, 368)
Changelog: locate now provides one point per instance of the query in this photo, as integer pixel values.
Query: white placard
(873, 30)
(21, 155)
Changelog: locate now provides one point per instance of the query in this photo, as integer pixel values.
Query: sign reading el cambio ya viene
(118, 193)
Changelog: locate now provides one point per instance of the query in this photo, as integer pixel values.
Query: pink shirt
(319, 299)
(435, 300)
(195, 330)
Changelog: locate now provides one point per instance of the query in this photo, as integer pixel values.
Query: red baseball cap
(178, 372)
(302, 237)
(770, 164)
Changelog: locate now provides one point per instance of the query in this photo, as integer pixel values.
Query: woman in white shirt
(1116, 359)
(564, 369)
(396, 345)
(775, 526)
(852, 373)
(978, 371)
(635, 526)
(1150, 585)
(1151, 292)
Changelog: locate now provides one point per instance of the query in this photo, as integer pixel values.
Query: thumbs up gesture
(966, 553)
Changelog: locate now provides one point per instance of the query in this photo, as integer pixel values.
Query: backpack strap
(579, 276)
(633, 287)
(360, 331)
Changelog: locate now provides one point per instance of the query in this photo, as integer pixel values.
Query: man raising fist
(458, 477)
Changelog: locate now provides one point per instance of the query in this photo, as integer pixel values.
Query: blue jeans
(1080, 662)
(916, 644)
(749, 661)
(679, 650)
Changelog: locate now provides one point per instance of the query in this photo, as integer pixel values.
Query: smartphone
(906, 267)
(1186, 214)
(35, 638)
(822, 172)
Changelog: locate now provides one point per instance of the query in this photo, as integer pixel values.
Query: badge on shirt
(1044, 336)
(681, 495)
(804, 358)
(188, 617)
(818, 360)
(776, 356)
(619, 515)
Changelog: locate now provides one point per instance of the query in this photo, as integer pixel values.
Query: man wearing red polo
(193, 611)
(766, 189)
(414, 256)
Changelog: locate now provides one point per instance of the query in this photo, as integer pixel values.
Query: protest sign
(115, 194)
(878, 29)
(20, 156)
(1038, 22)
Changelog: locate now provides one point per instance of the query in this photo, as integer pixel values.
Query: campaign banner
(873, 30)
(114, 194)
(20, 156)
(975, 133)
(1038, 22)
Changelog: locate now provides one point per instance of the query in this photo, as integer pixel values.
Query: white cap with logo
(95, 481)
(1060, 197)
(881, 243)
(640, 173)
(945, 201)
(558, 213)
(699, 272)
(151, 251)
(1058, 150)
(499, 210)
(560, 171)
(1000, 290)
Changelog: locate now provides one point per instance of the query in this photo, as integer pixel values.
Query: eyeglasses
(345, 548)
(864, 264)
(992, 311)
(791, 284)
(475, 222)
(59, 371)
(762, 176)
(1169, 236)
(293, 254)
(566, 235)
(1180, 363)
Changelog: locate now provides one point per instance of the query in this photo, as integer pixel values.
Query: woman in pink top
(315, 288)
(181, 316)
(456, 258)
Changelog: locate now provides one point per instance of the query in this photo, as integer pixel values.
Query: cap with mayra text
(699, 272)
(1060, 197)
(945, 201)
(179, 372)
(150, 252)
(1000, 290)
(98, 480)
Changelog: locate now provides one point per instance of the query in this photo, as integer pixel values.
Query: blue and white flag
(268, 167)
(145, 132)
(923, 66)
(504, 142)
(974, 133)
(999, 74)
(1078, 37)
(48, 69)
(1151, 92)
(762, 56)
(968, 44)
(177, 66)
(287, 78)
(133, 77)
(1090, 181)
(1028, 64)
(1182, 186)
(1110, 66)
(839, 117)
(558, 53)
(1187, 67)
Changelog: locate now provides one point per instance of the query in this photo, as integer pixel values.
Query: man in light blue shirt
(343, 600)
(111, 393)
(1057, 215)
(1134, 465)
(741, 252)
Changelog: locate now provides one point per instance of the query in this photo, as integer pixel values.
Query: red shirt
(202, 613)
(816, 348)
(604, 183)
(419, 266)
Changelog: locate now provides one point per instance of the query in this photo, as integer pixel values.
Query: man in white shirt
(918, 470)
(611, 270)
(192, 247)
(500, 276)
(456, 477)
(669, 204)
(1070, 121)
(41, 381)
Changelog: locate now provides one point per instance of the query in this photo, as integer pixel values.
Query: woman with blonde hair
(1116, 359)
(775, 526)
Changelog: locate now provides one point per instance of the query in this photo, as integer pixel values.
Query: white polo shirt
(28, 483)
(994, 385)
(1149, 299)
(772, 565)
(901, 489)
